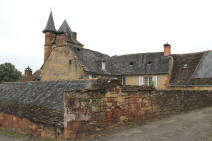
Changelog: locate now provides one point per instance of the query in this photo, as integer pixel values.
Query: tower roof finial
(50, 27)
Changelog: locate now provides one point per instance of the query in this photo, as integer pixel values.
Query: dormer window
(149, 63)
(185, 66)
(103, 65)
(131, 64)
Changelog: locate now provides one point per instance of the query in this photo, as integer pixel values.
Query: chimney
(28, 72)
(74, 36)
(61, 39)
(167, 49)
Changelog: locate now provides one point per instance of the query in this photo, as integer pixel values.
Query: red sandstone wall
(23, 125)
(87, 112)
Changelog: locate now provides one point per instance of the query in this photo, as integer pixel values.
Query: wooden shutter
(155, 79)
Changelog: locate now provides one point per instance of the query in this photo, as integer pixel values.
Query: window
(149, 63)
(148, 80)
(69, 61)
(123, 80)
(103, 65)
(185, 66)
(94, 76)
(90, 76)
(131, 63)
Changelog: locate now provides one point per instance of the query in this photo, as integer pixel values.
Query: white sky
(113, 27)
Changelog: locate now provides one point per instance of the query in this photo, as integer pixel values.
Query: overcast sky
(113, 27)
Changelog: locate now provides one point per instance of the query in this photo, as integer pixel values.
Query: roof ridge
(193, 53)
(44, 81)
(90, 50)
(136, 54)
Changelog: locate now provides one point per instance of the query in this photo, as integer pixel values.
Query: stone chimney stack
(167, 49)
(74, 36)
(28, 72)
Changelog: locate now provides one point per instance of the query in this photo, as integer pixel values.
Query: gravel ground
(192, 126)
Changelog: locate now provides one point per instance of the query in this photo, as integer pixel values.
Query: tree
(8, 73)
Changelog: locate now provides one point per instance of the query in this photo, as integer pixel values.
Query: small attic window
(103, 65)
(149, 63)
(185, 66)
(131, 63)
(69, 61)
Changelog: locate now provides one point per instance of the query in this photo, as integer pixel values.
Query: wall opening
(131, 63)
(70, 62)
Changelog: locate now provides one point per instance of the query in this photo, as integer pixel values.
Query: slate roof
(50, 25)
(204, 69)
(143, 63)
(46, 94)
(39, 102)
(65, 28)
(191, 69)
(91, 61)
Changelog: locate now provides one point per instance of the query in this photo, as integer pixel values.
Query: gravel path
(193, 126)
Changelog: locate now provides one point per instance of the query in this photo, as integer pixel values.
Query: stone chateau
(78, 92)
(65, 58)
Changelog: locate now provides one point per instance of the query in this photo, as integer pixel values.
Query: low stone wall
(31, 119)
(25, 126)
(90, 111)
(94, 107)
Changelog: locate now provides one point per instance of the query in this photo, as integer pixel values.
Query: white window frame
(142, 83)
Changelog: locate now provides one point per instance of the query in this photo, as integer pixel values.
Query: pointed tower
(50, 36)
(70, 36)
(64, 34)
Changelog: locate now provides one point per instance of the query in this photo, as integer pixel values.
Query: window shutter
(141, 80)
(155, 79)
(90, 76)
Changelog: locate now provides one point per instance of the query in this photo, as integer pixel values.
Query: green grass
(22, 135)
(209, 139)
(12, 133)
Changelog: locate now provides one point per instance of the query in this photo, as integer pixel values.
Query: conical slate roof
(50, 27)
(65, 28)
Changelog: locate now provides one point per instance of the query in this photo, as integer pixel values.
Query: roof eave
(189, 85)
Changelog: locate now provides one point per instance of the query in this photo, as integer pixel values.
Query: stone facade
(161, 80)
(62, 65)
(88, 112)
